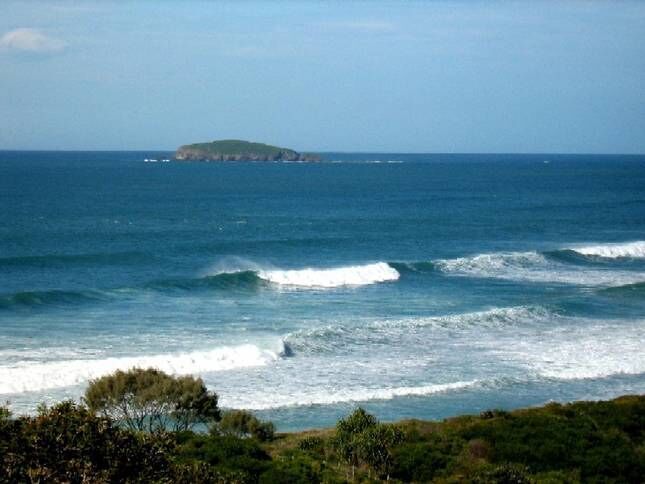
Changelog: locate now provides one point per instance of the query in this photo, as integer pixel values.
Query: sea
(412, 285)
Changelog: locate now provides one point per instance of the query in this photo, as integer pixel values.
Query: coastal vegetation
(82, 442)
(239, 150)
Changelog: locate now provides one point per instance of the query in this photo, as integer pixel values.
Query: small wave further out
(634, 250)
(335, 277)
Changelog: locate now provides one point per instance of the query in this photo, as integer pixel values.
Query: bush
(152, 400)
(227, 454)
(67, 443)
(242, 423)
(375, 444)
(312, 444)
(347, 432)
(292, 470)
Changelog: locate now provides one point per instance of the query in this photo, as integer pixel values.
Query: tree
(152, 400)
(374, 445)
(67, 443)
(243, 423)
(348, 430)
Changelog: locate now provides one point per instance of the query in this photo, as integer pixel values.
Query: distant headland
(238, 150)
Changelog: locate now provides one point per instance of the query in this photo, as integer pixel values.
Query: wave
(29, 377)
(234, 280)
(534, 267)
(636, 290)
(65, 260)
(330, 338)
(243, 279)
(632, 250)
(335, 277)
(32, 299)
(333, 395)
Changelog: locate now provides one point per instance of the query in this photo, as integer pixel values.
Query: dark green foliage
(580, 436)
(67, 443)
(243, 423)
(591, 442)
(314, 445)
(361, 438)
(418, 462)
(152, 400)
(375, 445)
(504, 474)
(346, 441)
(227, 454)
(291, 469)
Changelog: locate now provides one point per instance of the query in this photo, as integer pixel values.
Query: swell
(34, 299)
(225, 280)
(67, 260)
(636, 290)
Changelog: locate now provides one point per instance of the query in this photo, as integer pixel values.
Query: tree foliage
(151, 400)
(67, 443)
(243, 423)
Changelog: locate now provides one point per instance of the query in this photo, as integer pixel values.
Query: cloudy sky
(398, 76)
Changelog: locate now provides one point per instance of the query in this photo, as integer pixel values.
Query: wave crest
(335, 277)
(635, 250)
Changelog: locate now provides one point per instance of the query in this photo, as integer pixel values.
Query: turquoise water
(413, 285)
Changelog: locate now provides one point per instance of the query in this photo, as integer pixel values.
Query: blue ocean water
(413, 285)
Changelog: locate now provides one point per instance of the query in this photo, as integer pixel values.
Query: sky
(382, 76)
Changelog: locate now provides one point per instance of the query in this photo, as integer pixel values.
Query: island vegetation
(238, 150)
(95, 442)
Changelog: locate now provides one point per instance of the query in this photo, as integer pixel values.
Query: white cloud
(30, 40)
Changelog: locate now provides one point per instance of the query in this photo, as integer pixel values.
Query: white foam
(333, 395)
(534, 267)
(578, 348)
(329, 337)
(614, 251)
(26, 377)
(335, 277)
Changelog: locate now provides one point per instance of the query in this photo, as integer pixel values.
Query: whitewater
(416, 286)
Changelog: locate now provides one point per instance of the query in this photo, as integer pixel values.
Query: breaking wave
(335, 277)
(634, 250)
(329, 338)
(29, 377)
(534, 267)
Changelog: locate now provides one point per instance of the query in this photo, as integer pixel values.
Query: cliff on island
(237, 150)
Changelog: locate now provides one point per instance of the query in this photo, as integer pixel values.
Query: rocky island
(238, 150)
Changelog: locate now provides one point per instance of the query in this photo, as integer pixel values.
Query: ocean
(412, 285)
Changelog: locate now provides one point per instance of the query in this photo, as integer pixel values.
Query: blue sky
(398, 76)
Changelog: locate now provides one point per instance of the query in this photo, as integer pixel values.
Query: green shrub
(312, 444)
(243, 423)
(67, 443)
(291, 470)
(225, 453)
(152, 400)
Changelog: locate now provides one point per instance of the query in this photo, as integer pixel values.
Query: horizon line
(361, 152)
